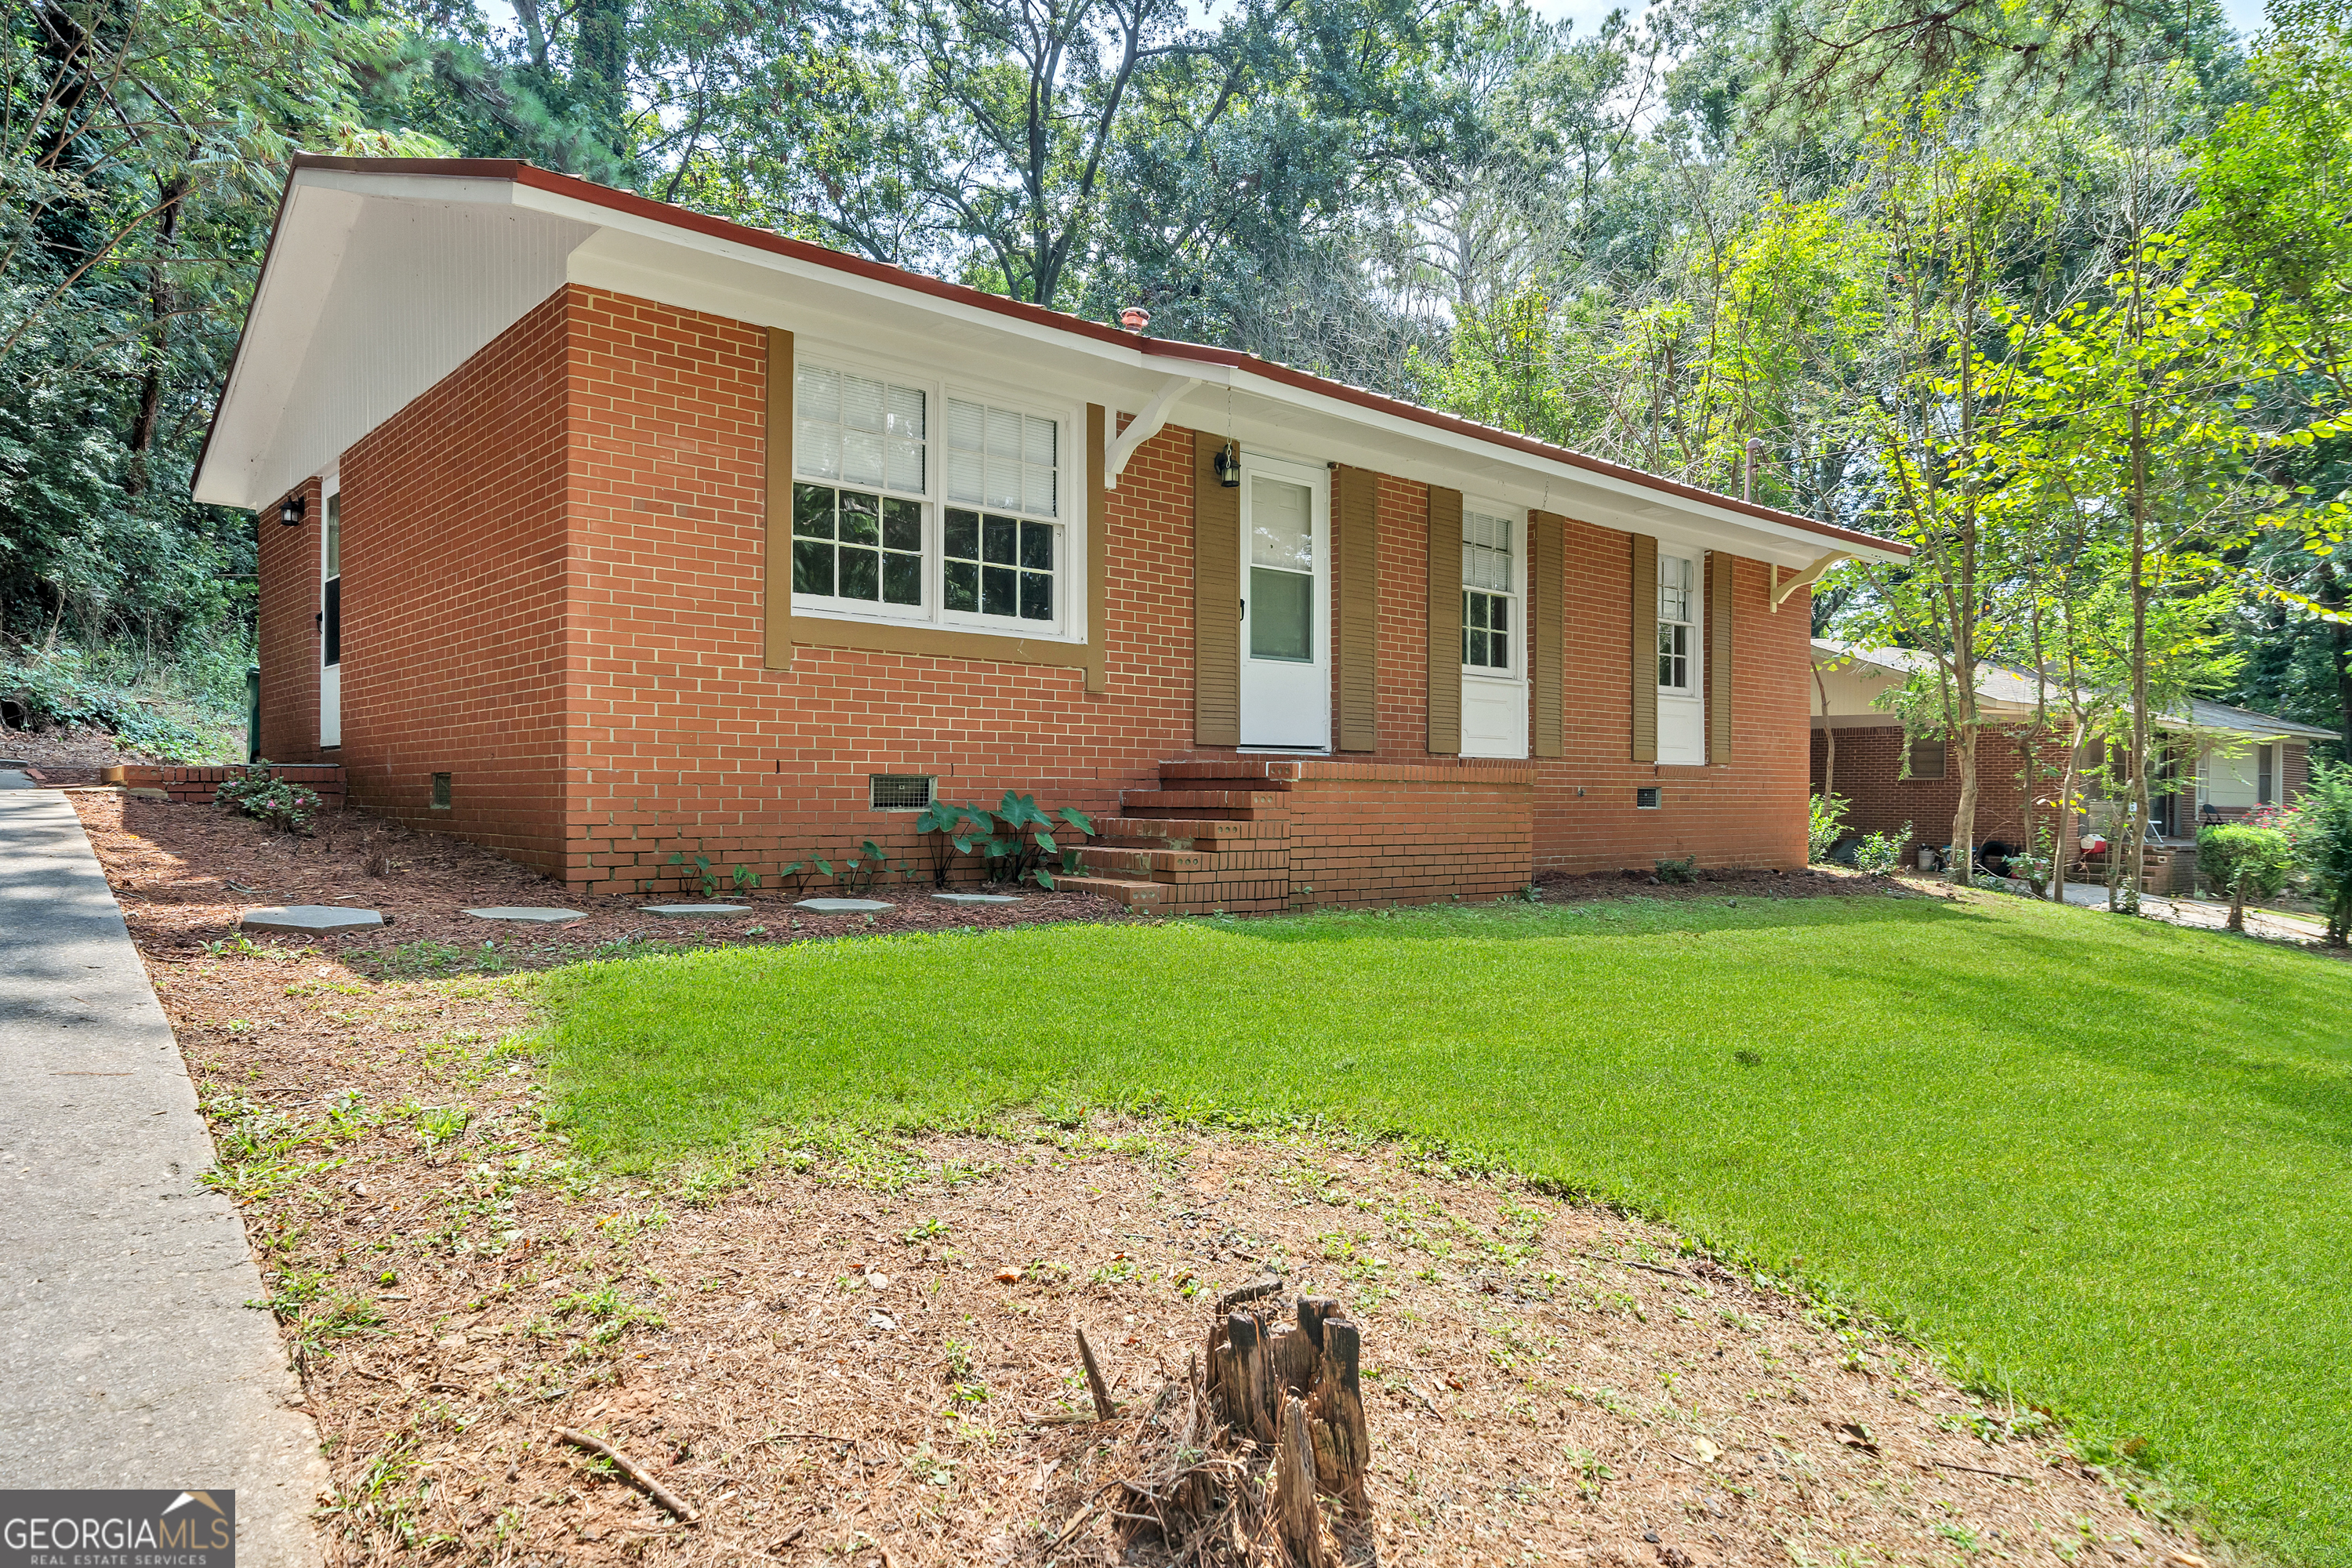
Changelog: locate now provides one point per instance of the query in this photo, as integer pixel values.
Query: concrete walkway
(2203, 913)
(128, 1356)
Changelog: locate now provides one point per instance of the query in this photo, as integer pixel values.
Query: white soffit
(369, 300)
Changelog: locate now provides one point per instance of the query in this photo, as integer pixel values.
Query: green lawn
(2101, 1159)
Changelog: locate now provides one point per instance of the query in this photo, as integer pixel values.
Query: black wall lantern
(291, 512)
(1228, 463)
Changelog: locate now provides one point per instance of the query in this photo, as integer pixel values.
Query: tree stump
(1258, 1370)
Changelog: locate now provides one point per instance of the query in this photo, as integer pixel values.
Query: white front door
(1682, 657)
(331, 621)
(1493, 635)
(1286, 606)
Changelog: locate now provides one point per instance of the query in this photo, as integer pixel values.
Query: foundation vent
(898, 791)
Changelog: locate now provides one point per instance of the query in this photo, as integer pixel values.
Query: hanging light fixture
(292, 511)
(1228, 463)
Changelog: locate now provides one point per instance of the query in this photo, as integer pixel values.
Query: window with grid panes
(860, 451)
(1677, 582)
(1489, 592)
(1002, 544)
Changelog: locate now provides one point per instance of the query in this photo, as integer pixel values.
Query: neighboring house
(2219, 764)
(602, 532)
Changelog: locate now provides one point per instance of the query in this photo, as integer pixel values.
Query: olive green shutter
(1718, 656)
(1216, 601)
(776, 586)
(1546, 585)
(1355, 507)
(1645, 648)
(1445, 622)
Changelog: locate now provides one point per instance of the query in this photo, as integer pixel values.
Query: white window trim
(1517, 675)
(1694, 665)
(1070, 539)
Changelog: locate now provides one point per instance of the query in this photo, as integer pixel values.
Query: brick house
(2218, 763)
(598, 532)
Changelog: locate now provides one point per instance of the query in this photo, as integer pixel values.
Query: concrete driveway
(128, 1356)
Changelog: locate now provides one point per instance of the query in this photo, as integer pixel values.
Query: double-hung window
(1489, 594)
(920, 502)
(1677, 593)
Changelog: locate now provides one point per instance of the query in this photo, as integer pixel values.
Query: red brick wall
(553, 592)
(453, 599)
(1869, 769)
(288, 632)
(1748, 812)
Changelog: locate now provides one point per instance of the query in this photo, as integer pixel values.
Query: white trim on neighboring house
(330, 623)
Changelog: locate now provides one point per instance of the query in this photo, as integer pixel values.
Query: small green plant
(939, 823)
(1016, 840)
(701, 871)
(2238, 859)
(1880, 853)
(799, 872)
(1683, 870)
(744, 877)
(1825, 827)
(264, 797)
(860, 871)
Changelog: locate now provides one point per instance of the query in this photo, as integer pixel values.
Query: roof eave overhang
(1355, 424)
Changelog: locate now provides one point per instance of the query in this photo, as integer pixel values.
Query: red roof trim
(801, 250)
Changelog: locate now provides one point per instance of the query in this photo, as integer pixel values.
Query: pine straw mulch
(185, 874)
(858, 1349)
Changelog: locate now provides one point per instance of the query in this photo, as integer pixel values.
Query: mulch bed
(185, 874)
(851, 1349)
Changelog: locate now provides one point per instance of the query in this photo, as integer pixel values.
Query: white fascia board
(280, 323)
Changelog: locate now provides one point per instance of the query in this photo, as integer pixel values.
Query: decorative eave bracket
(1804, 579)
(1118, 449)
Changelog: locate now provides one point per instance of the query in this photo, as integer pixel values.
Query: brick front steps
(1253, 835)
(200, 787)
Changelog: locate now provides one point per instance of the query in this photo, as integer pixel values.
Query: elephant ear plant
(1015, 841)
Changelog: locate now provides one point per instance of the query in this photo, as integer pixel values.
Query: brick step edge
(1134, 895)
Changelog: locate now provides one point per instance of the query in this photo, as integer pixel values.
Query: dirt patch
(68, 756)
(859, 1349)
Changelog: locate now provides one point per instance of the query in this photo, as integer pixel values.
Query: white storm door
(1286, 606)
(1682, 658)
(331, 622)
(1493, 635)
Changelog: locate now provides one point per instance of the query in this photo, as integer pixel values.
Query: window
(330, 594)
(1677, 578)
(898, 792)
(898, 516)
(1282, 569)
(1488, 593)
(1926, 758)
(2266, 776)
(440, 791)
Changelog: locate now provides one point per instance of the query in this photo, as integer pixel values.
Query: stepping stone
(310, 918)
(526, 912)
(845, 906)
(680, 912)
(978, 898)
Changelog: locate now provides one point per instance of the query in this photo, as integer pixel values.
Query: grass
(2100, 1162)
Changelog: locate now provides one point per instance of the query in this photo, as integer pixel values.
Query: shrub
(1826, 827)
(61, 689)
(288, 807)
(2323, 842)
(1683, 870)
(1881, 853)
(1015, 841)
(2237, 858)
